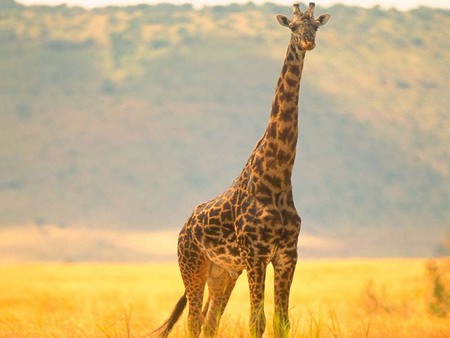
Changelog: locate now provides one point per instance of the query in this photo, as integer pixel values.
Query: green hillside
(126, 118)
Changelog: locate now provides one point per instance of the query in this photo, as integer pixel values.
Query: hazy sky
(399, 4)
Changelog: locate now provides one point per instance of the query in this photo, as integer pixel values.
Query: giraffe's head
(304, 26)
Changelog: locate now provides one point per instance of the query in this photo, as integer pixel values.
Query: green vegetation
(128, 117)
(439, 304)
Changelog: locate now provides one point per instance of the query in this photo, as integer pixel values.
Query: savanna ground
(330, 298)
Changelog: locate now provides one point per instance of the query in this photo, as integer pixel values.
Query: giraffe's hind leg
(220, 285)
(194, 271)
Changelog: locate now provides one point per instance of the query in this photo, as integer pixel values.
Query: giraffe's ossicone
(254, 222)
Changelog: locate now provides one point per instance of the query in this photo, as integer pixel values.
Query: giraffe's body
(254, 222)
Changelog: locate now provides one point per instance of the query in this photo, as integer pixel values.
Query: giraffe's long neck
(274, 155)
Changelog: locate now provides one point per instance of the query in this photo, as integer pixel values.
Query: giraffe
(254, 222)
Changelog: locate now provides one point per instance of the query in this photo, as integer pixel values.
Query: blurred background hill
(124, 118)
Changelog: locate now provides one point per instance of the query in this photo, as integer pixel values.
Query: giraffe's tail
(165, 329)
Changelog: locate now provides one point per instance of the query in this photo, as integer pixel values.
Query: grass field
(330, 298)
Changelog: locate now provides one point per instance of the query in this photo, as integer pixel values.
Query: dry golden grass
(330, 298)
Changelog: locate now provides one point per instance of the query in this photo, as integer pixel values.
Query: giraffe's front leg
(256, 273)
(284, 268)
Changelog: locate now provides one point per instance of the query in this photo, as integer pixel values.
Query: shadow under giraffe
(254, 222)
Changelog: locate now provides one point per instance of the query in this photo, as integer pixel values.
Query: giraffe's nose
(308, 45)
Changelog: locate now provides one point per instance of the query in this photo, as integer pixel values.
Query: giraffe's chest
(262, 226)
(229, 228)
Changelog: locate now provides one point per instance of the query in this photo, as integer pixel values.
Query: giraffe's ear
(283, 20)
(323, 19)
